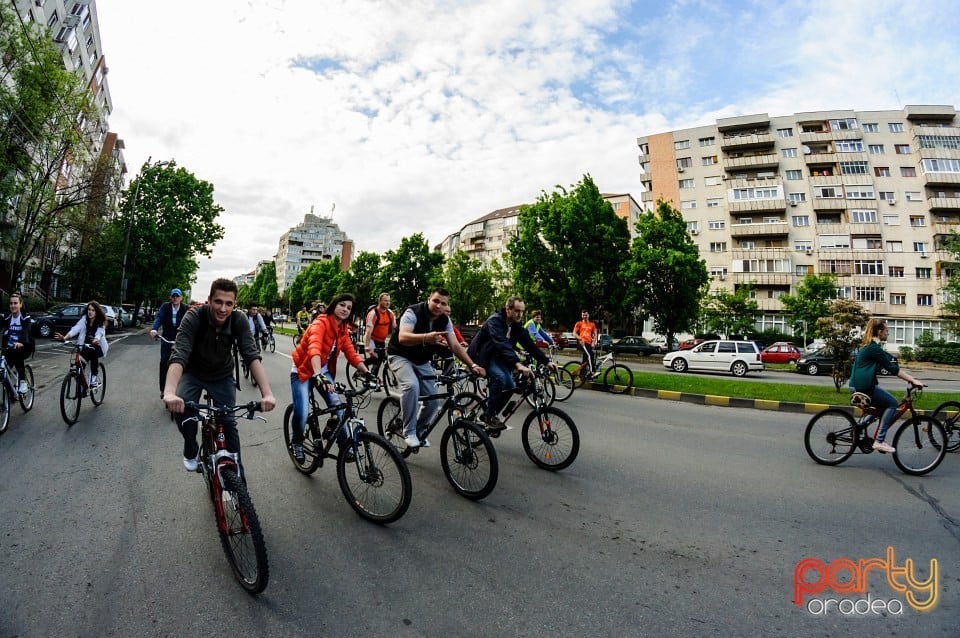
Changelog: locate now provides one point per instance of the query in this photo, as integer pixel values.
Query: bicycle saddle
(860, 400)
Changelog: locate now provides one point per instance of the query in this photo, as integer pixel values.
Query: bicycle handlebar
(211, 411)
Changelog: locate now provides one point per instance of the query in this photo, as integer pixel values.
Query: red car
(781, 352)
(690, 343)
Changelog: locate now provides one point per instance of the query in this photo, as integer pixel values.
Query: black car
(635, 345)
(821, 362)
(57, 319)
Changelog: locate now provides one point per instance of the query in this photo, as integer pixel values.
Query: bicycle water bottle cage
(860, 400)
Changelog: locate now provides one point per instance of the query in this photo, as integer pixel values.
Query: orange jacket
(326, 339)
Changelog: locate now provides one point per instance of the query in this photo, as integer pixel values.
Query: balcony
(768, 160)
(829, 136)
(943, 203)
(764, 278)
(821, 158)
(745, 141)
(826, 180)
(945, 228)
(946, 179)
(768, 305)
(829, 203)
(757, 206)
(949, 131)
(779, 229)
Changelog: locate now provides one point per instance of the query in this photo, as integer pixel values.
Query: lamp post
(126, 243)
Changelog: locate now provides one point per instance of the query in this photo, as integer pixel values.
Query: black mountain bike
(237, 522)
(372, 475)
(10, 391)
(74, 386)
(948, 414)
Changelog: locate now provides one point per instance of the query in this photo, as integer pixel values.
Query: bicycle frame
(351, 423)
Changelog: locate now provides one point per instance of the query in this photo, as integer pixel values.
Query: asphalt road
(675, 520)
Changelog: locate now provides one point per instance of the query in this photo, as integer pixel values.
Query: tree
(48, 123)
(263, 291)
(471, 288)
(812, 301)
(568, 252)
(363, 279)
(841, 330)
(666, 279)
(730, 313)
(321, 281)
(411, 270)
(950, 309)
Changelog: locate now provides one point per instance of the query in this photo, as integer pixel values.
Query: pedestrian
(165, 325)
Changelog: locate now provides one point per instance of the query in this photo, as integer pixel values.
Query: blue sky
(416, 116)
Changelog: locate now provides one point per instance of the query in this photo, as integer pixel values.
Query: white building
(316, 239)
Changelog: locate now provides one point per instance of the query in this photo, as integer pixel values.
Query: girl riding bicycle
(91, 334)
(863, 378)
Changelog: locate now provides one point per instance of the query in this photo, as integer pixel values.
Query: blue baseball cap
(177, 292)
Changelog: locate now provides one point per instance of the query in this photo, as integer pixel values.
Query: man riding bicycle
(257, 327)
(381, 323)
(587, 335)
(303, 320)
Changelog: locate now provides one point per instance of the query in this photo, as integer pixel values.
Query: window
(923, 273)
(896, 127)
(836, 266)
(693, 226)
(834, 241)
(863, 216)
(871, 127)
(760, 192)
(715, 180)
(716, 224)
(718, 246)
(867, 267)
(908, 171)
(849, 146)
(718, 271)
(859, 192)
(924, 300)
(891, 220)
(803, 271)
(713, 202)
(798, 197)
(919, 246)
(827, 192)
(54, 19)
(710, 160)
(868, 293)
(684, 162)
(803, 245)
(902, 149)
(681, 145)
(898, 299)
(895, 271)
(794, 175)
(918, 221)
(843, 125)
(788, 152)
(688, 203)
(876, 149)
(784, 132)
(940, 165)
(886, 196)
(853, 168)
(686, 183)
(895, 246)
(881, 171)
(707, 141)
(748, 244)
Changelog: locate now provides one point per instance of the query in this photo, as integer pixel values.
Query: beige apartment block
(315, 239)
(869, 196)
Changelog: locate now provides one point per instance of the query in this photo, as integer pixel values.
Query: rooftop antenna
(899, 103)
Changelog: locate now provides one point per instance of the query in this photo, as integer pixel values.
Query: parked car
(113, 321)
(57, 319)
(697, 340)
(635, 345)
(566, 340)
(781, 352)
(736, 357)
(661, 344)
(821, 362)
(604, 342)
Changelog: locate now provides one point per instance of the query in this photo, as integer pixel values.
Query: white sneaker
(22, 387)
(424, 443)
(94, 382)
(412, 441)
(881, 446)
(190, 465)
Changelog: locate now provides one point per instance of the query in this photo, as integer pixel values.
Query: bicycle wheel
(377, 483)
(555, 443)
(296, 340)
(4, 407)
(26, 399)
(563, 384)
(466, 405)
(948, 414)
(921, 445)
(469, 459)
(830, 437)
(241, 535)
(618, 378)
(311, 449)
(70, 398)
(389, 380)
(547, 389)
(236, 370)
(575, 369)
(390, 424)
(97, 393)
(272, 344)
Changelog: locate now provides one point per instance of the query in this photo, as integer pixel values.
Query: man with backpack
(381, 323)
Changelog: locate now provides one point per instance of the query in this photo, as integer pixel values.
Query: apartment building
(869, 196)
(486, 238)
(315, 239)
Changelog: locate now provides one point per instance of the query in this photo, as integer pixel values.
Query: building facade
(868, 196)
(315, 239)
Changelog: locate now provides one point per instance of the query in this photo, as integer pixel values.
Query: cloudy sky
(415, 116)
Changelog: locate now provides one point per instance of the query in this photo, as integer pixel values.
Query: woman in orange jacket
(314, 358)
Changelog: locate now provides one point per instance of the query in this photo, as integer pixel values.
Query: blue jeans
(300, 390)
(880, 398)
(415, 380)
(501, 385)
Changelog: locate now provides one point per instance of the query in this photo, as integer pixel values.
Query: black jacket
(498, 340)
(26, 331)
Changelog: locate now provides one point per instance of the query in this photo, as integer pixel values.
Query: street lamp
(126, 243)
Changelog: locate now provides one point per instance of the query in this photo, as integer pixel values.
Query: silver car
(736, 357)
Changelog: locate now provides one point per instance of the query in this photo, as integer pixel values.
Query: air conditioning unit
(793, 203)
(809, 251)
(924, 255)
(679, 169)
(891, 201)
(694, 231)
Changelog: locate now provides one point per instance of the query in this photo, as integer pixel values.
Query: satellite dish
(806, 149)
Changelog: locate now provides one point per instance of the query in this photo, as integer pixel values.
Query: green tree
(47, 119)
(263, 291)
(411, 271)
(568, 252)
(841, 330)
(666, 279)
(812, 302)
(471, 288)
(320, 281)
(950, 309)
(363, 279)
(730, 313)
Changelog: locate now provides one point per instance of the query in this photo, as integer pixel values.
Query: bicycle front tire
(311, 451)
(272, 344)
(618, 378)
(830, 437)
(26, 399)
(550, 438)
(241, 535)
(921, 444)
(948, 414)
(469, 460)
(5, 403)
(390, 424)
(563, 384)
(575, 369)
(377, 483)
(98, 393)
(70, 398)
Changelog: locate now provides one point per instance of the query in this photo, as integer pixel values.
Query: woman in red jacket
(313, 359)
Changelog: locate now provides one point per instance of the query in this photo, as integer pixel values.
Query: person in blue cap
(165, 325)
